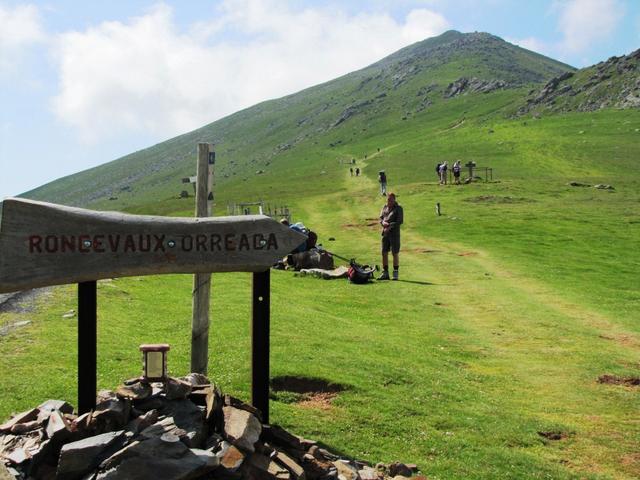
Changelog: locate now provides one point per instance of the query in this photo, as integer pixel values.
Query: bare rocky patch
(616, 380)
(496, 199)
(306, 392)
(553, 435)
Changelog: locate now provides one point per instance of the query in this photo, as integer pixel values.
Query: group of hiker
(309, 255)
(441, 171)
(391, 218)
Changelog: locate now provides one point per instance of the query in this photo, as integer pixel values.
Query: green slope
(510, 305)
(290, 136)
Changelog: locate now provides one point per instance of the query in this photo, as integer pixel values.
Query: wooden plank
(260, 327)
(46, 244)
(201, 293)
(87, 346)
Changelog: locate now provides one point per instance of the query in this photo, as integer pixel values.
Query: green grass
(513, 302)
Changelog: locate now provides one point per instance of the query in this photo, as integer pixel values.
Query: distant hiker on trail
(443, 173)
(357, 171)
(456, 172)
(351, 171)
(382, 178)
(438, 170)
(391, 217)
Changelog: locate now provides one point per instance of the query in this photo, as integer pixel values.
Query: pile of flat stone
(184, 428)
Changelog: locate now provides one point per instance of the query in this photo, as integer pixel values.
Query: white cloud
(20, 27)
(531, 43)
(584, 22)
(145, 75)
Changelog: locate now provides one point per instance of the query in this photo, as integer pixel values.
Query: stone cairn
(184, 428)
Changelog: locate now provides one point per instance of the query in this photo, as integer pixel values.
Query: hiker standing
(438, 171)
(382, 178)
(443, 173)
(456, 172)
(391, 217)
(357, 171)
(351, 171)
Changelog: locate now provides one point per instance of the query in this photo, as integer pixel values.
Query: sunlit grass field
(511, 304)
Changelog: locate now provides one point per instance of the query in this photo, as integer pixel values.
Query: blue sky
(83, 83)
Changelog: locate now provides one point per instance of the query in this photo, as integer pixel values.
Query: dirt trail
(521, 331)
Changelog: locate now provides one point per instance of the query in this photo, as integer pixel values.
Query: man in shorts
(391, 217)
(382, 178)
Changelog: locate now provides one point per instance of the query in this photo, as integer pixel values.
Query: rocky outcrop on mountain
(465, 85)
(614, 83)
(182, 429)
(350, 111)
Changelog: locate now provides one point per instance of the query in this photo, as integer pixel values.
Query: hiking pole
(349, 260)
(340, 257)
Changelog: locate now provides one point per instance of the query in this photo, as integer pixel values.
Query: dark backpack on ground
(359, 273)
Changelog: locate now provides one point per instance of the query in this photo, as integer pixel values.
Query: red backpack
(359, 273)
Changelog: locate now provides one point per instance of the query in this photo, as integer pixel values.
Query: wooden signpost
(201, 292)
(44, 244)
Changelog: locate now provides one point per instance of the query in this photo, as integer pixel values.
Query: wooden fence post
(202, 281)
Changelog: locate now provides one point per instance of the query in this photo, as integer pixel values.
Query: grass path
(537, 352)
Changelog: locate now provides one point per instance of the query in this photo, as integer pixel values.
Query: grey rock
(79, 458)
(58, 428)
(176, 389)
(165, 426)
(134, 391)
(157, 458)
(241, 428)
(291, 465)
(12, 326)
(261, 467)
(110, 415)
(189, 417)
(196, 379)
(22, 428)
(22, 417)
(346, 471)
(368, 473)
(397, 468)
(60, 405)
(142, 422)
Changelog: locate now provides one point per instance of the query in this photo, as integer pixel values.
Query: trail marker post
(202, 281)
(44, 244)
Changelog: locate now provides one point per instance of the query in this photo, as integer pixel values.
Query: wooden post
(202, 281)
(260, 343)
(87, 346)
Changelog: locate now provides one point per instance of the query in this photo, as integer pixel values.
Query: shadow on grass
(416, 282)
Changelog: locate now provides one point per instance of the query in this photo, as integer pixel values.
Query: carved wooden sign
(45, 244)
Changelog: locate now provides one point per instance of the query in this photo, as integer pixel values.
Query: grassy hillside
(294, 135)
(510, 307)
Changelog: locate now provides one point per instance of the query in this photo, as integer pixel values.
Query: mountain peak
(481, 54)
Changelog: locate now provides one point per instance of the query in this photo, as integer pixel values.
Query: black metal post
(260, 343)
(87, 346)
